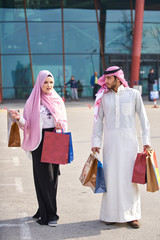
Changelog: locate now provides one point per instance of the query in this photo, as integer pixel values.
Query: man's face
(111, 82)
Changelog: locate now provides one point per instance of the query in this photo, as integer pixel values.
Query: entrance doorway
(121, 60)
(148, 61)
(144, 71)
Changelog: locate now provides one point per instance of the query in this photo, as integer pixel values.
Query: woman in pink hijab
(43, 111)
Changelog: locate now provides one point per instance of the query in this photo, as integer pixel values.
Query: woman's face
(48, 85)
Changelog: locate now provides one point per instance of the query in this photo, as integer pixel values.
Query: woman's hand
(95, 149)
(58, 126)
(15, 115)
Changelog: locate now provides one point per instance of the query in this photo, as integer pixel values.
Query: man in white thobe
(116, 106)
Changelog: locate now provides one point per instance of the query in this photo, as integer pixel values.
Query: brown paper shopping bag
(152, 172)
(89, 172)
(13, 132)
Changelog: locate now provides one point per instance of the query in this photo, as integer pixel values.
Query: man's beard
(114, 84)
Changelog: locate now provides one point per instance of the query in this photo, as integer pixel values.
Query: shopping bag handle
(95, 154)
(147, 151)
(59, 129)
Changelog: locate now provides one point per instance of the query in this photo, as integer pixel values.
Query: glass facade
(118, 44)
(118, 37)
(81, 43)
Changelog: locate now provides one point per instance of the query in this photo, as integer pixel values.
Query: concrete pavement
(78, 206)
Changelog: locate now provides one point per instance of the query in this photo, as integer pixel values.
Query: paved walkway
(78, 206)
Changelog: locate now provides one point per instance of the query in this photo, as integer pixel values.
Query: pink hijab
(111, 71)
(31, 113)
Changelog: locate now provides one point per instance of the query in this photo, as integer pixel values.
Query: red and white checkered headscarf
(111, 71)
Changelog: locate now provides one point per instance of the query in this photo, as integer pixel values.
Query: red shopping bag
(146, 170)
(139, 171)
(55, 148)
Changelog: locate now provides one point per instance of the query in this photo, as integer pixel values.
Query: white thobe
(118, 109)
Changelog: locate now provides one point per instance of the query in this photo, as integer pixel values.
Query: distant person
(44, 111)
(151, 81)
(94, 84)
(80, 89)
(74, 86)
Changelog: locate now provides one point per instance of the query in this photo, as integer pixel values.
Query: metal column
(64, 77)
(28, 41)
(137, 42)
(100, 37)
(131, 4)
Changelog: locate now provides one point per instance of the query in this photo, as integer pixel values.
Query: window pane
(82, 67)
(151, 16)
(16, 76)
(43, 14)
(118, 38)
(81, 37)
(12, 14)
(80, 15)
(151, 38)
(118, 15)
(14, 38)
(52, 63)
(45, 37)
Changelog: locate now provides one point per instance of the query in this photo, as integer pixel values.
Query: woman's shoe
(41, 222)
(52, 223)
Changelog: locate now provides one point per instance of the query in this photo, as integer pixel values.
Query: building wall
(81, 40)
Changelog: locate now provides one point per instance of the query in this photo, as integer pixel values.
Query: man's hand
(95, 149)
(146, 147)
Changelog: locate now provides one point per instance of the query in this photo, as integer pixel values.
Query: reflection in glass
(14, 38)
(151, 38)
(12, 14)
(82, 69)
(119, 39)
(43, 14)
(80, 14)
(81, 37)
(45, 37)
(16, 75)
(82, 47)
(52, 63)
(151, 16)
(118, 15)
